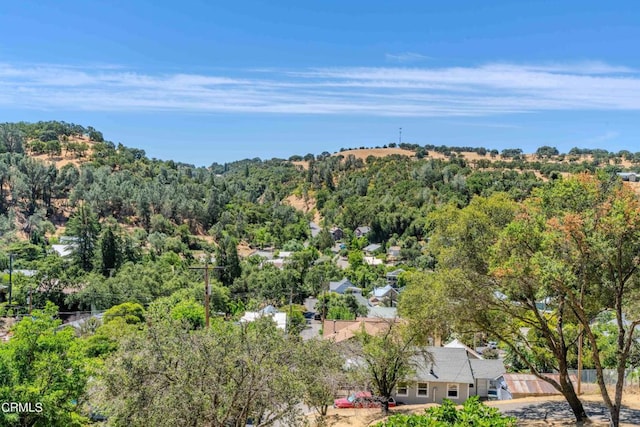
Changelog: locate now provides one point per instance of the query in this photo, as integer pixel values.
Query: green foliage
(472, 414)
(42, 364)
(189, 311)
(339, 307)
(388, 357)
(322, 375)
(84, 227)
(219, 376)
(131, 313)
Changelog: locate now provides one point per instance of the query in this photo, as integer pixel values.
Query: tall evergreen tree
(227, 258)
(110, 249)
(84, 226)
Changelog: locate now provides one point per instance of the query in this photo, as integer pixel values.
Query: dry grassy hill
(66, 156)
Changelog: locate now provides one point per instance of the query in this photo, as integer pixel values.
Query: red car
(361, 399)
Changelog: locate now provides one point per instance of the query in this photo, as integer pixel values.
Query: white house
(269, 311)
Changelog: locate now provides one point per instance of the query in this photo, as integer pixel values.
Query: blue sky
(213, 81)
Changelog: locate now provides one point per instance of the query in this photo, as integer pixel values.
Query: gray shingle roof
(341, 286)
(487, 369)
(450, 365)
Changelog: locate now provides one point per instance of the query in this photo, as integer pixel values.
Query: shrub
(472, 414)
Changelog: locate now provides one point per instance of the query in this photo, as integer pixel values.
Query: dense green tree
(547, 151)
(575, 245)
(387, 358)
(45, 366)
(84, 227)
(323, 374)
(167, 378)
(131, 313)
(11, 138)
(228, 261)
(110, 243)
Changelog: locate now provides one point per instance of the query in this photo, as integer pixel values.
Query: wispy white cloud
(475, 91)
(405, 57)
(607, 136)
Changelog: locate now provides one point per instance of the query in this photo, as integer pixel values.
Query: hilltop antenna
(400, 136)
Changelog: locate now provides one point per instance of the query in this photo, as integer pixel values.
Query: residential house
(628, 176)
(381, 312)
(269, 311)
(277, 262)
(345, 286)
(63, 250)
(393, 253)
(371, 260)
(336, 233)
(448, 373)
(280, 260)
(343, 330)
(486, 373)
(78, 322)
(372, 248)
(68, 240)
(386, 296)
(392, 277)
(470, 352)
(362, 231)
(342, 286)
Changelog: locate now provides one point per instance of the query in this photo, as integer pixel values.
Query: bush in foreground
(472, 414)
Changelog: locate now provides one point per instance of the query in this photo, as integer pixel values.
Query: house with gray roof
(486, 373)
(392, 277)
(342, 286)
(385, 295)
(345, 286)
(393, 253)
(63, 250)
(336, 233)
(370, 249)
(381, 312)
(447, 374)
(628, 176)
(362, 231)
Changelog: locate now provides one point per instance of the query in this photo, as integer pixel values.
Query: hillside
(90, 226)
(123, 183)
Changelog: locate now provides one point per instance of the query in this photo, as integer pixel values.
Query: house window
(402, 389)
(423, 389)
(452, 391)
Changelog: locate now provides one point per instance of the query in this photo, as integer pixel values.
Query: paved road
(313, 326)
(312, 330)
(560, 410)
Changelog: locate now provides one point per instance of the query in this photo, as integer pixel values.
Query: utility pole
(400, 136)
(207, 292)
(207, 289)
(10, 277)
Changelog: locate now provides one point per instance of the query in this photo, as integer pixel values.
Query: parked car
(361, 399)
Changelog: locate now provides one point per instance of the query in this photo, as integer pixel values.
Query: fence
(631, 379)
